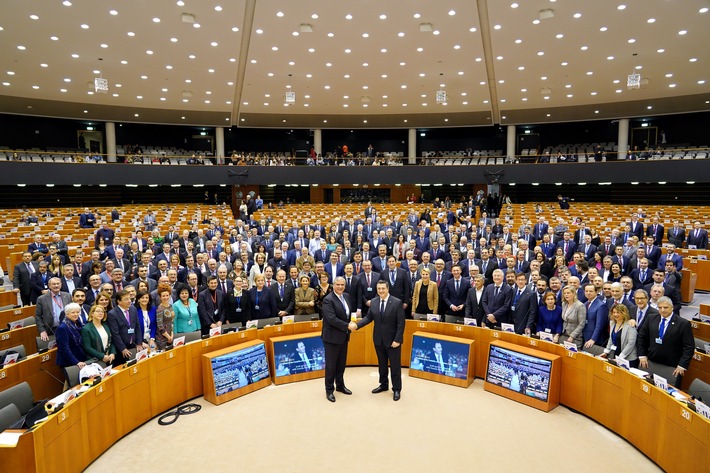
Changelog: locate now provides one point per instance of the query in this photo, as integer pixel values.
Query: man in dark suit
(104, 234)
(540, 229)
(666, 339)
(126, 328)
(676, 234)
(524, 306)
(38, 246)
(568, 246)
(335, 335)
(379, 262)
(635, 227)
(278, 261)
(474, 300)
(86, 219)
(39, 282)
(210, 306)
(671, 256)
(670, 291)
(21, 277)
(655, 230)
(69, 281)
(641, 275)
(642, 311)
(49, 307)
(351, 286)
(497, 300)
(388, 314)
(333, 267)
(367, 283)
(284, 295)
(487, 265)
(398, 282)
(455, 292)
(301, 362)
(698, 236)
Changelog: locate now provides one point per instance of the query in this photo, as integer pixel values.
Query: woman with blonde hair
(425, 298)
(622, 336)
(574, 316)
(96, 336)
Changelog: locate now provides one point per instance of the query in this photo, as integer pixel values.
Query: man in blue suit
(568, 246)
(540, 229)
(594, 332)
(334, 268)
(672, 256)
(497, 299)
(455, 292)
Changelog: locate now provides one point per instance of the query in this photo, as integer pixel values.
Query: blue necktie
(662, 329)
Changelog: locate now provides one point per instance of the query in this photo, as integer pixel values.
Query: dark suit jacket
(700, 241)
(120, 327)
(210, 312)
(37, 285)
(21, 277)
(289, 300)
(335, 320)
(636, 230)
(488, 273)
(453, 297)
(351, 292)
(571, 248)
(676, 238)
(657, 235)
(473, 309)
(678, 342)
(232, 304)
(525, 313)
(318, 256)
(669, 291)
(77, 284)
(598, 322)
(650, 311)
(401, 288)
(498, 306)
(389, 326)
(366, 292)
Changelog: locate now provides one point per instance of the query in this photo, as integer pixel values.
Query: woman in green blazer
(96, 336)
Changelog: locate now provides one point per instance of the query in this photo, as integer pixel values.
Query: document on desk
(287, 319)
(9, 439)
(638, 372)
(702, 408)
(507, 327)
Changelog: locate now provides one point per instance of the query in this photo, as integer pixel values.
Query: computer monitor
(235, 371)
(297, 357)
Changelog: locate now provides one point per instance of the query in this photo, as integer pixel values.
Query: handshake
(352, 326)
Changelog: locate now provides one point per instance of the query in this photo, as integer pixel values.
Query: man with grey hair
(49, 306)
(666, 339)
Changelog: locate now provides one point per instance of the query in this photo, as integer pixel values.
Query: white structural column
(510, 145)
(412, 146)
(318, 140)
(623, 139)
(110, 142)
(219, 144)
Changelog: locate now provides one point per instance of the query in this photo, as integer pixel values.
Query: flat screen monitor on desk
(235, 371)
(297, 357)
(523, 374)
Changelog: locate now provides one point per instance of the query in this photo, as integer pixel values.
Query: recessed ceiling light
(119, 85)
(485, 101)
(280, 14)
(457, 46)
(274, 48)
(62, 90)
(328, 64)
(365, 87)
(400, 34)
(631, 41)
(402, 63)
(364, 64)
(523, 90)
(543, 78)
(693, 59)
(403, 86)
(259, 31)
(348, 16)
(345, 105)
(589, 73)
(518, 41)
(309, 76)
(671, 85)
(683, 32)
(44, 65)
(291, 63)
(669, 75)
(310, 50)
(54, 38)
(497, 27)
(536, 21)
(84, 26)
(180, 3)
(603, 29)
(541, 53)
(577, 15)
(144, 77)
(113, 12)
(651, 20)
(610, 58)
(104, 45)
(191, 56)
(168, 67)
(314, 16)
(701, 82)
(149, 52)
(420, 49)
(307, 96)
(618, 91)
(296, 33)
(472, 29)
(214, 44)
(136, 115)
(163, 99)
(326, 87)
(131, 33)
(660, 50)
(524, 99)
(196, 25)
(502, 101)
(139, 97)
(383, 50)
(210, 71)
(365, 35)
(703, 10)
(452, 12)
(35, 87)
(348, 51)
(330, 35)
(500, 58)
(638, 68)
(156, 20)
(584, 48)
(21, 48)
(514, 5)
(501, 81)
(67, 3)
(621, 7)
(559, 36)
(383, 17)
(235, 29)
(616, 81)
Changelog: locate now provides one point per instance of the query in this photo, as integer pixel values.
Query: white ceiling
(374, 69)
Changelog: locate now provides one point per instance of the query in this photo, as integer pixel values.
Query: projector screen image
(299, 356)
(518, 372)
(239, 368)
(439, 357)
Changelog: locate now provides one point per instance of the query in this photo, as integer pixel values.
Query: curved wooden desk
(669, 433)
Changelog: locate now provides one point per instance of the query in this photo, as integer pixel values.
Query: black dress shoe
(380, 389)
(396, 396)
(330, 396)
(344, 390)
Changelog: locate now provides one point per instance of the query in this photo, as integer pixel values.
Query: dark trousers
(335, 356)
(25, 298)
(394, 356)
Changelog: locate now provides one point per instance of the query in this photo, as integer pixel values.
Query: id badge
(131, 331)
(369, 289)
(512, 308)
(216, 311)
(659, 340)
(239, 309)
(189, 322)
(256, 307)
(548, 330)
(613, 348)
